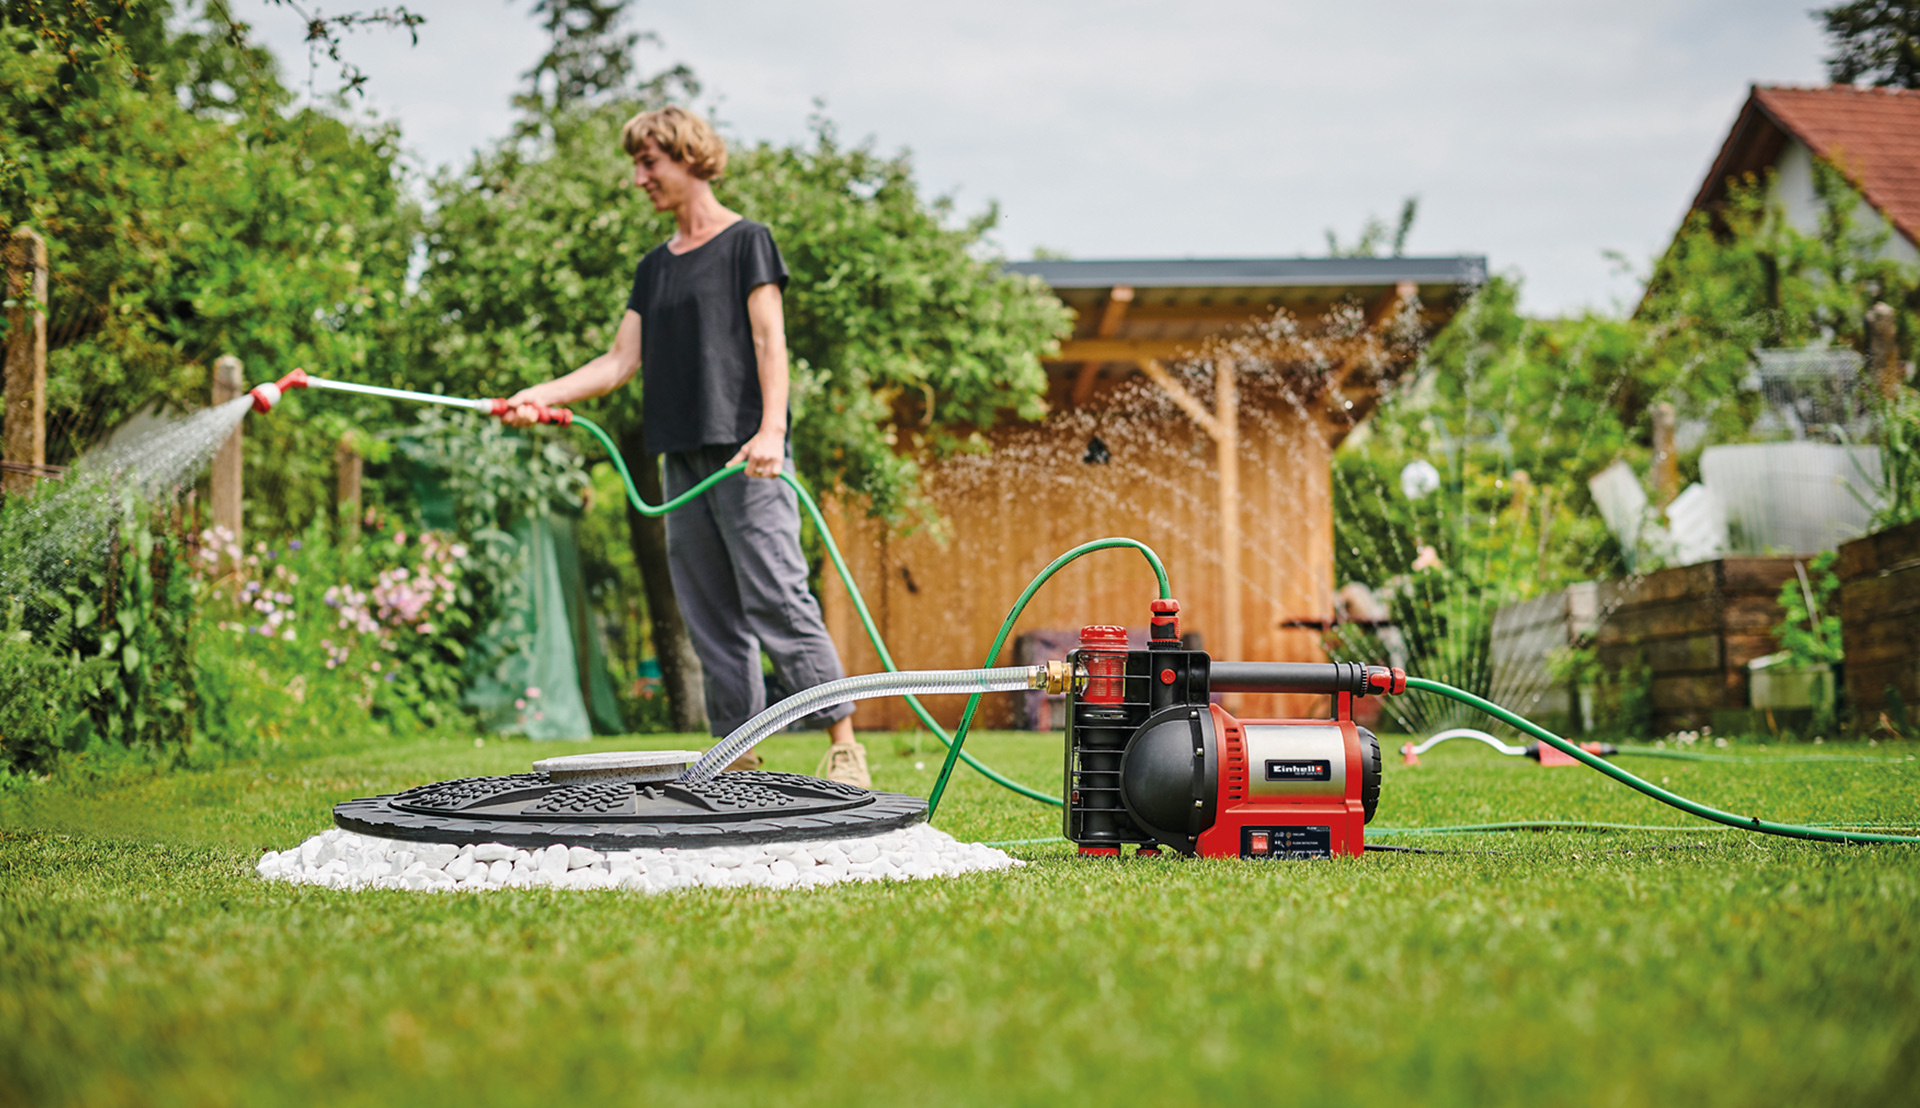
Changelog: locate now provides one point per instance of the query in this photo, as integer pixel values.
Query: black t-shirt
(697, 364)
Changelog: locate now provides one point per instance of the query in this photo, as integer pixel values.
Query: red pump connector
(542, 413)
(1164, 627)
(267, 395)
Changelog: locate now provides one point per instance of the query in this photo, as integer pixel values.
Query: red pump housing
(1152, 761)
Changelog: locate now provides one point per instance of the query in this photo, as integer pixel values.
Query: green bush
(99, 616)
(310, 637)
(1899, 461)
(1809, 632)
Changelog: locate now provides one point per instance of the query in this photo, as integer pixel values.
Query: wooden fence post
(347, 465)
(26, 387)
(1666, 456)
(228, 383)
(1883, 349)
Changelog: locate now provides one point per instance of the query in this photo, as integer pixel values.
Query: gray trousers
(742, 585)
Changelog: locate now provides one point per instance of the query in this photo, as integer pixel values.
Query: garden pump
(1151, 761)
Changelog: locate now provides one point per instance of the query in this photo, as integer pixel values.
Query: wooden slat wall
(1012, 511)
(1696, 627)
(1880, 620)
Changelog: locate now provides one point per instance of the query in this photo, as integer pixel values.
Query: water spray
(1150, 761)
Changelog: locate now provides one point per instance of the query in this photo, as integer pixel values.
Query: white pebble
(437, 855)
(342, 860)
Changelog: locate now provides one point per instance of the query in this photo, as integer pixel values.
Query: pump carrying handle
(1306, 677)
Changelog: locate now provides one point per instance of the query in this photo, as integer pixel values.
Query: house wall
(1008, 513)
(1793, 190)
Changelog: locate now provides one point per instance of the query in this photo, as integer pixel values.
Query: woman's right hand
(523, 407)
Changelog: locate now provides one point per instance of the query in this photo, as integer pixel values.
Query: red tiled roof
(1871, 134)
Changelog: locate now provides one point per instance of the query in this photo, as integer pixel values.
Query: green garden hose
(1691, 807)
(957, 740)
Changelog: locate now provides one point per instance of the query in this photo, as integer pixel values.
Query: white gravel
(345, 860)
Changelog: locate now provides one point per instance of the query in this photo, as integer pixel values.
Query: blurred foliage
(1809, 628)
(102, 651)
(1874, 41)
(1899, 461)
(190, 212)
(302, 632)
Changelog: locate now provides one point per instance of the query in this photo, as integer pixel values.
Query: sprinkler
(1150, 761)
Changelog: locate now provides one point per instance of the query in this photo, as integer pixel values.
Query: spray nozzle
(542, 413)
(267, 395)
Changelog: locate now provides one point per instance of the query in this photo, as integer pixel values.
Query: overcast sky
(1542, 136)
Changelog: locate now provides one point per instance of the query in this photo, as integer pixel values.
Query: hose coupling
(1055, 677)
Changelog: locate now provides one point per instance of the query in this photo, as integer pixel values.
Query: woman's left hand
(764, 453)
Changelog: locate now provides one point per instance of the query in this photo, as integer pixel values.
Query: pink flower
(400, 538)
(533, 693)
(1429, 558)
(520, 704)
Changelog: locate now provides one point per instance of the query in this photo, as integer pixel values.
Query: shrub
(380, 628)
(98, 621)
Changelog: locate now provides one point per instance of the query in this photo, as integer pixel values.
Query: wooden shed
(1195, 407)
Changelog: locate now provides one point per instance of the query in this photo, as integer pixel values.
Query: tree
(1374, 233)
(590, 58)
(190, 213)
(1877, 41)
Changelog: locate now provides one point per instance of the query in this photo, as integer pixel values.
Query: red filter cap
(1100, 634)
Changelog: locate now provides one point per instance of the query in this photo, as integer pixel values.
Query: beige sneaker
(846, 763)
(749, 760)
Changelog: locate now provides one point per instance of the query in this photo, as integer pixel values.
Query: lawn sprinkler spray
(1151, 762)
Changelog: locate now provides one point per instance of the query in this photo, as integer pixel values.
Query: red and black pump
(1153, 762)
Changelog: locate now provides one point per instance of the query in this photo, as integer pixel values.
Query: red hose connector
(1164, 627)
(266, 396)
(1386, 680)
(542, 413)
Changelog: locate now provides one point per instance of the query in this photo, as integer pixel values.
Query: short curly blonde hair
(682, 136)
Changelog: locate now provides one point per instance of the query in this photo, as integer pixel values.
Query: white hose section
(401, 394)
(1469, 733)
(865, 686)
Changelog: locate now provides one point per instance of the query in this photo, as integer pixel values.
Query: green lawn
(142, 963)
